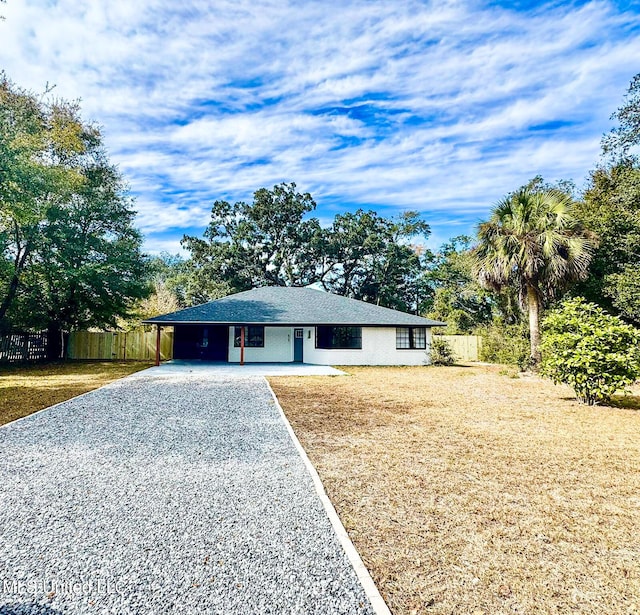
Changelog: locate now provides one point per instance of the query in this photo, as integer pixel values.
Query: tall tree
(88, 270)
(623, 140)
(534, 242)
(36, 142)
(611, 208)
(371, 258)
(271, 242)
(71, 257)
(265, 243)
(168, 295)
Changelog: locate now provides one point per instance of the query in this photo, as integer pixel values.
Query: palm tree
(533, 241)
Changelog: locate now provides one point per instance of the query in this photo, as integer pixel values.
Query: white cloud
(153, 245)
(432, 105)
(155, 218)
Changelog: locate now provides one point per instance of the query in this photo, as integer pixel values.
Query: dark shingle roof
(291, 306)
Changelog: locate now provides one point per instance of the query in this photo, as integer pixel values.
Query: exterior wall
(378, 348)
(278, 347)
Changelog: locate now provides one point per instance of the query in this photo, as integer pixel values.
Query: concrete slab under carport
(176, 366)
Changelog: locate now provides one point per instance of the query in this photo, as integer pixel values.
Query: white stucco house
(286, 324)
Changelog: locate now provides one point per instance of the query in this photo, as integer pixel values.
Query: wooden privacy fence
(465, 347)
(23, 347)
(136, 345)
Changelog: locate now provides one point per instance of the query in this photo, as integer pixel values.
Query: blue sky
(442, 107)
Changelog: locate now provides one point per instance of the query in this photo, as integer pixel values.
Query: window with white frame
(411, 338)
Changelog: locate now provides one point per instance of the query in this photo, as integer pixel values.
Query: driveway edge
(59, 403)
(78, 396)
(375, 598)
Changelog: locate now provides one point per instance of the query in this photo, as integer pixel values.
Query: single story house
(286, 324)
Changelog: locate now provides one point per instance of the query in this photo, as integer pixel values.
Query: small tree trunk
(533, 302)
(18, 266)
(10, 296)
(54, 341)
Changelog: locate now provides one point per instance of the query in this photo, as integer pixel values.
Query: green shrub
(594, 353)
(506, 344)
(441, 352)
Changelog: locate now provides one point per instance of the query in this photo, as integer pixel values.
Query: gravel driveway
(165, 493)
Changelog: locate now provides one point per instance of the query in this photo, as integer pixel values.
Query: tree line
(273, 242)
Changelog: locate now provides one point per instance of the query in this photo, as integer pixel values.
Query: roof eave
(270, 323)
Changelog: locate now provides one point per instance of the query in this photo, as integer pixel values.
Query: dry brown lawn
(473, 490)
(24, 389)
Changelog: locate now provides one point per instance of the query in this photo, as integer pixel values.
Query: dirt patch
(474, 490)
(25, 389)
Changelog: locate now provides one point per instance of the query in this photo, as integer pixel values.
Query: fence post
(158, 345)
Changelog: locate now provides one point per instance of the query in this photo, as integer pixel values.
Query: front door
(298, 341)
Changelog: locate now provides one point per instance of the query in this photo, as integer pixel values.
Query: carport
(207, 342)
